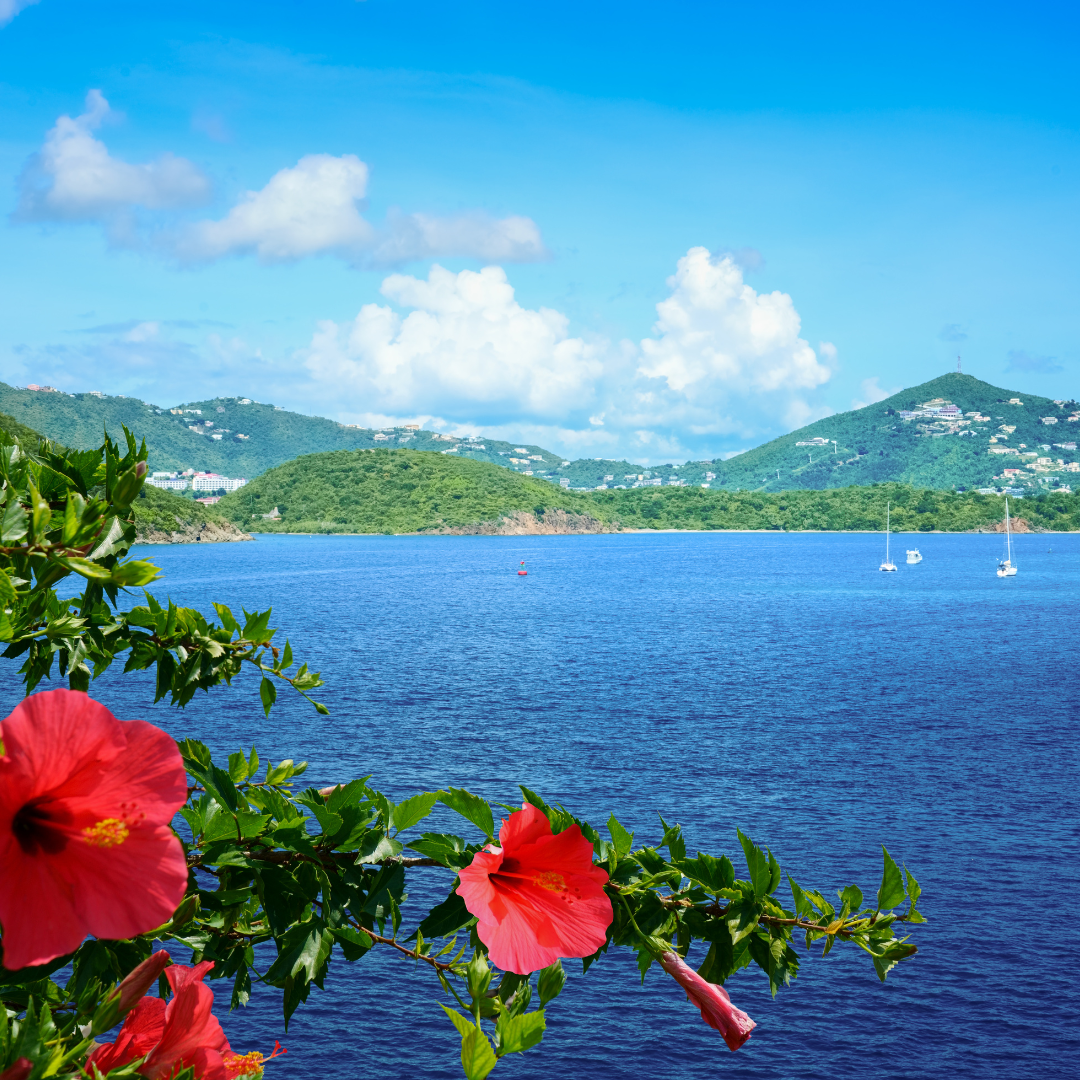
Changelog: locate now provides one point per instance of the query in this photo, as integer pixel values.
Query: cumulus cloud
(466, 345)
(872, 392)
(75, 178)
(725, 363)
(10, 8)
(314, 208)
(1019, 360)
(304, 210)
(722, 353)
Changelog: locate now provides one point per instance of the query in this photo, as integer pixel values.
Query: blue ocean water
(777, 683)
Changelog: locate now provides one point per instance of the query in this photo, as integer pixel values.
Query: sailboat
(888, 564)
(1005, 567)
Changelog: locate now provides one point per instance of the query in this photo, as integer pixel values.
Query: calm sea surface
(778, 683)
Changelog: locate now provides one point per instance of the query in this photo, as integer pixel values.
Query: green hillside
(875, 444)
(254, 436)
(403, 491)
(870, 445)
(833, 510)
(390, 491)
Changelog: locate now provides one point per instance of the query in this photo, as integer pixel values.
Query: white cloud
(726, 365)
(311, 209)
(10, 8)
(716, 337)
(872, 392)
(304, 210)
(466, 350)
(74, 178)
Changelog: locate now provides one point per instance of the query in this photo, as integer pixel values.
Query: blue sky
(663, 232)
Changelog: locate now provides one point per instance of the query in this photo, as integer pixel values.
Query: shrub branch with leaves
(266, 882)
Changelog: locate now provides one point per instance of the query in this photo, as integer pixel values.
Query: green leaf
(7, 590)
(891, 891)
(444, 918)
(471, 807)
(462, 1023)
(713, 874)
(477, 1057)
(852, 896)
(377, 847)
(516, 1034)
(913, 890)
(138, 572)
(14, 525)
(354, 943)
(268, 693)
(623, 840)
(444, 848)
(757, 862)
(409, 812)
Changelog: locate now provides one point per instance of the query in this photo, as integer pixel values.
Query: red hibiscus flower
(713, 1001)
(538, 897)
(85, 843)
(172, 1037)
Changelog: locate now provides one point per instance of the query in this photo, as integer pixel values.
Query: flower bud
(19, 1070)
(137, 982)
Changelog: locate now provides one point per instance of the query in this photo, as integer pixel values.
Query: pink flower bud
(139, 981)
(326, 792)
(713, 1001)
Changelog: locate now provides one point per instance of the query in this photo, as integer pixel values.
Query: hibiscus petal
(37, 909)
(152, 782)
(524, 826)
(128, 888)
(53, 737)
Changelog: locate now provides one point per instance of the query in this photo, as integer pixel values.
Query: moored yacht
(887, 564)
(1005, 567)
(914, 556)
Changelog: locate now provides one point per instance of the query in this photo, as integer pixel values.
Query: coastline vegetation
(408, 491)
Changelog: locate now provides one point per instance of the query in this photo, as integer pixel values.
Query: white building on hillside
(215, 482)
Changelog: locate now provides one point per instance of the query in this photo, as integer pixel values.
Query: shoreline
(686, 532)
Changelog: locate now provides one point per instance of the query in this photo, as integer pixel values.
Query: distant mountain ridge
(870, 445)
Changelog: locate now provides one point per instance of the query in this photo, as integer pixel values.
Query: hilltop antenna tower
(958, 365)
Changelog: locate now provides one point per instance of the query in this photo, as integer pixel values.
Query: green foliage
(319, 876)
(383, 491)
(71, 514)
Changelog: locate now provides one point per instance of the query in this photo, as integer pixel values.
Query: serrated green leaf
(471, 807)
(477, 1057)
(516, 1034)
(623, 840)
(408, 813)
(268, 693)
(892, 890)
(757, 862)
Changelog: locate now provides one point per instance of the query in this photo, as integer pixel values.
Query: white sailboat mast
(1008, 533)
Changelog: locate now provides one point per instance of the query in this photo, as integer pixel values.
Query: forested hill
(254, 436)
(240, 437)
(876, 444)
(403, 491)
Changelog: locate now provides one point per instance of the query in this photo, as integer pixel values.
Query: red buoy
(523, 572)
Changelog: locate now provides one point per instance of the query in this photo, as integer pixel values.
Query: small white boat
(1005, 567)
(887, 564)
(914, 556)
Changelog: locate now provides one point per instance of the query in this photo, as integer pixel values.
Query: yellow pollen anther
(239, 1065)
(107, 833)
(550, 880)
